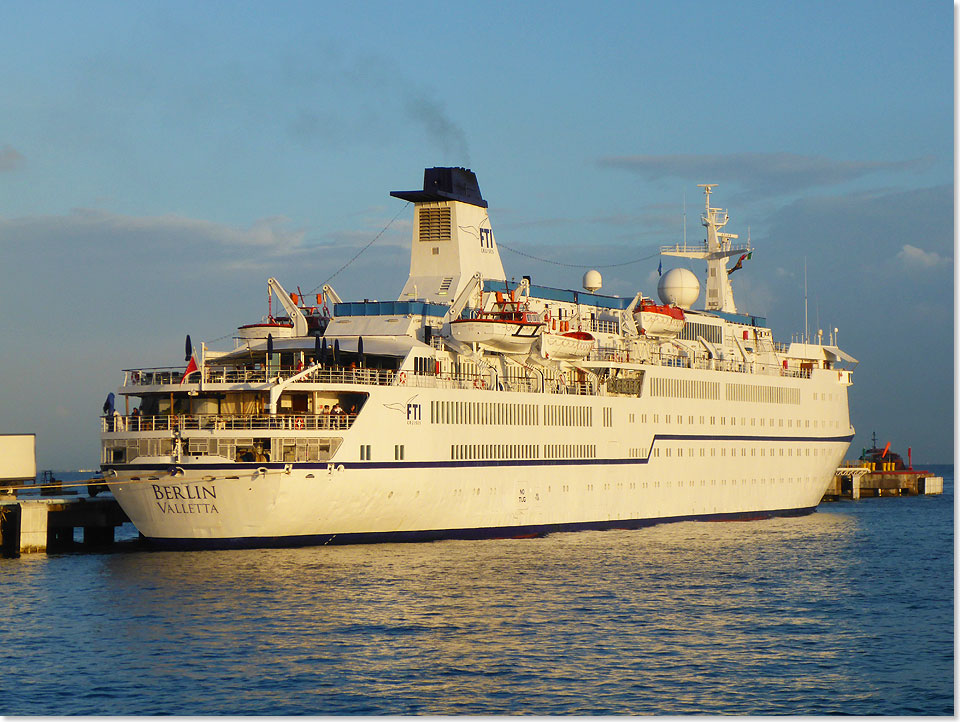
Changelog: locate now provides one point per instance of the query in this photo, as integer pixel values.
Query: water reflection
(756, 617)
(709, 616)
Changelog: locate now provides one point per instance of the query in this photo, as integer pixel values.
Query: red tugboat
(887, 475)
(884, 459)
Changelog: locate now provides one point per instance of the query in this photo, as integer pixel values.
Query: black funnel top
(446, 184)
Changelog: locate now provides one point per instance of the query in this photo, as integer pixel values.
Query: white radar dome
(592, 281)
(679, 286)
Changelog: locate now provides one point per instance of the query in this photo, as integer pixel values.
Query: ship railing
(388, 377)
(447, 380)
(337, 375)
(609, 353)
(262, 375)
(226, 422)
(600, 326)
(483, 383)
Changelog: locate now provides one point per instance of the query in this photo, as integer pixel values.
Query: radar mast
(715, 251)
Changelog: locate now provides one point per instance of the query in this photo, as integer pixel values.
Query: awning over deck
(396, 346)
(816, 352)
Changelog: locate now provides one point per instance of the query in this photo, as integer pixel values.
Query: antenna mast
(684, 216)
(806, 325)
(715, 251)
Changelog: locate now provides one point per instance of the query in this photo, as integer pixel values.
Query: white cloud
(918, 258)
(265, 233)
(761, 174)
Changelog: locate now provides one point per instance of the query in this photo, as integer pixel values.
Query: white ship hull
(346, 505)
(547, 478)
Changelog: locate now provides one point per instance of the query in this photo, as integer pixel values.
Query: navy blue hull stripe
(461, 463)
(503, 532)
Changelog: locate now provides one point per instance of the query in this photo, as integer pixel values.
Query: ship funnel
(446, 184)
(452, 236)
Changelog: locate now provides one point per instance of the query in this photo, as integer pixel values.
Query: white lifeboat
(568, 345)
(509, 328)
(276, 327)
(658, 320)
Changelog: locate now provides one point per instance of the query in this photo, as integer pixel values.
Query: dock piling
(40, 525)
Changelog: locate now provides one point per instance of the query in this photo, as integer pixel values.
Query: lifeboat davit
(569, 345)
(658, 320)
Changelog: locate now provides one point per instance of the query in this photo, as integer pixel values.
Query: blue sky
(158, 161)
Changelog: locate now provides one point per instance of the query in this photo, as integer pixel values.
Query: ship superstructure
(477, 406)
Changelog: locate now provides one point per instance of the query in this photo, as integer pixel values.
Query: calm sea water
(848, 610)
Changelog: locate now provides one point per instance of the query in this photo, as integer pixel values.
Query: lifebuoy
(298, 423)
(478, 384)
(401, 378)
(136, 377)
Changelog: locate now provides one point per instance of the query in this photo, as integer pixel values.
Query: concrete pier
(40, 525)
(855, 482)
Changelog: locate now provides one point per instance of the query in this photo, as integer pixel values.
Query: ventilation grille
(445, 286)
(434, 224)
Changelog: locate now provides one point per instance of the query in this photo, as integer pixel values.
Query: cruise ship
(476, 405)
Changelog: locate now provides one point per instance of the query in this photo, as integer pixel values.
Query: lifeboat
(509, 328)
(658, 320)
(276, 327)
(569, 345)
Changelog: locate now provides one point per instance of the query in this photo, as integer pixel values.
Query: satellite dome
(592, 280)
(679, 286)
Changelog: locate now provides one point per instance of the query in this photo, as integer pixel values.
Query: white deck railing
(389, 377)
(226, 422)
(224, 375)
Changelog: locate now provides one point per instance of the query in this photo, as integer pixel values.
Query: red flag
(191, 367)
